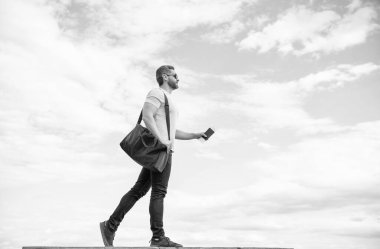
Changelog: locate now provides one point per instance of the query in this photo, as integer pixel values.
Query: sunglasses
(174, 75)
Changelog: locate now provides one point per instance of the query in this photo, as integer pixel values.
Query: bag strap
(167, 114)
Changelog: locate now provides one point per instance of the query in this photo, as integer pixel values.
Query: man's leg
(156, 205)
(140, 188)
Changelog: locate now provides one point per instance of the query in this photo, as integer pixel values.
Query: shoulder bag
(144, 148)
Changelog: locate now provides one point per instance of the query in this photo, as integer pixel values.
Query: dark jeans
(147, 178)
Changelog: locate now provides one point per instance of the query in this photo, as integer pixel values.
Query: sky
(290, 87)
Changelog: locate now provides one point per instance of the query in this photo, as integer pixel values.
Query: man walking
(155, 120)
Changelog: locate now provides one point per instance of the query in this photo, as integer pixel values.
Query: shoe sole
(102, 227)
(179, 246)
(158, 246)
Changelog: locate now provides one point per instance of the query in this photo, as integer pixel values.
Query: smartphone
(208, 133)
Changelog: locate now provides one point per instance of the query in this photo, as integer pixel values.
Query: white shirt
(156, 98)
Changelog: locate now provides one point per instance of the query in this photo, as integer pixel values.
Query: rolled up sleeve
(154, 98)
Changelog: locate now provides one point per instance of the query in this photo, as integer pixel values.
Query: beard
(173, 85)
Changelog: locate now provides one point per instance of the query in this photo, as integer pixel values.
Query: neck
(167, 88)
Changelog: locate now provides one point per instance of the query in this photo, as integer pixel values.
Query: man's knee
(139, 192)
(159, 192)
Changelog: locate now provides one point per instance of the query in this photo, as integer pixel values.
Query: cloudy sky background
(291, 87)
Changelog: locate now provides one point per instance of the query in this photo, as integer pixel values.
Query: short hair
(165, 69)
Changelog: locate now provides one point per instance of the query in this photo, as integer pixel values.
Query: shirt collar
(164, 91)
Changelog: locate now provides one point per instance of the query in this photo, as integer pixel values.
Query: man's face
(173, 79)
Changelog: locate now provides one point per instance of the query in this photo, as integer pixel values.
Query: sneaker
(163, 242)
(107, 235)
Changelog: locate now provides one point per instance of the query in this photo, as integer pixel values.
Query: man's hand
(168, 144)
(199, 135)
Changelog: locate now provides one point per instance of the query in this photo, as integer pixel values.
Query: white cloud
(261, 20)
(331, 177)
(349, 156)
(209, 155)
(225, 34)
(304, 31)
(129, 23)
(354, 5)
(281, 105)
(266, 146)
(336, 77)
(76, 79)
(70, 86)
(73, 74)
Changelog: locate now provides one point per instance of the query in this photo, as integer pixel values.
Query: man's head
(167, 74)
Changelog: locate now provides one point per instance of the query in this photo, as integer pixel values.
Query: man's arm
(182, 135)
(148, 112)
